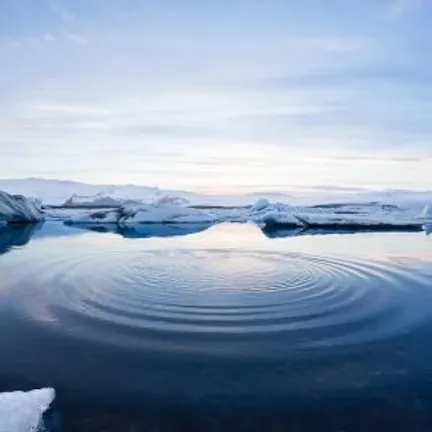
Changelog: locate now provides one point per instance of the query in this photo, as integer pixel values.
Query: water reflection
(16, 235)
(228, 319)
(146, 230)
(19, 235)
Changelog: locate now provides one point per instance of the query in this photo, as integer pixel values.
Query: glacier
(19, 209)
(22, 411)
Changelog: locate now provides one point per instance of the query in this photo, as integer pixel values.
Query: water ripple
(232, 299)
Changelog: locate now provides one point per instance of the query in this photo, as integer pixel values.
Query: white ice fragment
(165, 214)
(95, 217)
(260, 205)
(17, 208)
(22, 411)
(171, 200)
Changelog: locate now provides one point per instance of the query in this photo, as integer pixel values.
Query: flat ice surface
(22, 411)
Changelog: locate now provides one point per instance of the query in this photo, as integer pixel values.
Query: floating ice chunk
(100, 199)
(165, 214)
(22, 411)
(260, 205)
(273, 213)
(171, 200)
(96, 217)
(17, 208)
(396, 220)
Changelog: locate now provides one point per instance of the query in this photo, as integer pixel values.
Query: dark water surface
(222, 328)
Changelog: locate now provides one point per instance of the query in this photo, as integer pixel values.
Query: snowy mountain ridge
(57, 192)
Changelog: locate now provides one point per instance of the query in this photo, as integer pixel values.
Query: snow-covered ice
(17, 208)
(56, 192)
(95, 217)
(165, 213)
(22, 411)
(263, 213)
(131, 205)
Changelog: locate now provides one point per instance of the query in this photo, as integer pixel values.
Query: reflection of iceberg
(22, 411)
(147, 230)
(16, 235)
(164, 230)
(273, 232)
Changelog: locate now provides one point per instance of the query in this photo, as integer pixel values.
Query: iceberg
(100, 199)
(166, 213)
(269, 214)
(22, 411)
(143, 214)
(19, 209)
(95, 217)
(260, 205)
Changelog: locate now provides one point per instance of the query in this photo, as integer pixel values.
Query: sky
(218, 96)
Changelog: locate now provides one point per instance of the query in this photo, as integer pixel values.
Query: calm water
(221, 328)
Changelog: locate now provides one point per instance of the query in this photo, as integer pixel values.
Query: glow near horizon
(217, 97)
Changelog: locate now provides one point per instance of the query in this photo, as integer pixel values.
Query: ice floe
(263, 213)
(22, 411)
(17, 208)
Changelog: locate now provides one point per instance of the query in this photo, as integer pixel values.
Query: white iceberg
(17, 208)
(166, 213)
(95, 217)
(22, 411)
(260, 205)
(171, 200)
(265, 213)
(394, 219)
(100, 199)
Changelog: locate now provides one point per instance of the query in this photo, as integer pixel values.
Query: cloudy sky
(218, 96)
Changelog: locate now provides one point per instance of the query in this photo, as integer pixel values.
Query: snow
(166, 213)
(130, 205)
(263, 213)
(95, 217)
(261, 204)
(22, 411)
(17, 208)
(101, 199)
(56, 192)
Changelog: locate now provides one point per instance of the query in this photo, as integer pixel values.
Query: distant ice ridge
(17, 208)
(22, 411)
(263, 213)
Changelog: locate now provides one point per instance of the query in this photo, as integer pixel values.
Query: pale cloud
(48, 37)
(59, 9)
(76, 38)
(399, 8)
